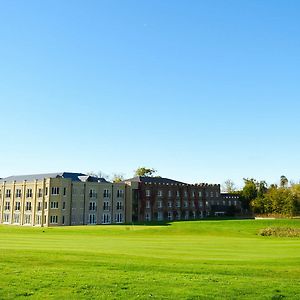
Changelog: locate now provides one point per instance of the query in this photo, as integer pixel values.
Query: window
(200, 194)
(53, 219)
(64, 205)
(106, 193)
(38, 219)
(170, 215)
(93, 194)
(27, 219)
(55, 190)
(40, 193)
(6, 218)
(29, 193)
(229, 202)
(159, 193)
(46, 205)
(186, 215)
(193, 194)
(106, 218)
(200, 203)
(7, 205)
(120, 193)
(148, 193)
(63, 220)
(16, 218)
(28, 205)
(53, 204)
(18, 193)
(105, 205)
(169, 204)
(234, 203)
(159, 204)
(92, 206)
(65, 191)
(185, 204)
(206, 193)
(159, 216)
(193, 204)
(178, 216)
(211, 194)
(177, 194)
(217, 194)
(17, 205)
(39, 206)
(148, 204)
(147, 217)
(194, 215)
(46, 192)
(119, 205)
(169, 193)
(8, 193)
(119, 218)
(185, 194)
(178, 204)
(92, 219)
(224, 203)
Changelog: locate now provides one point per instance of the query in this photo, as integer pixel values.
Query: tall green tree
(143, 171)
(283, 181)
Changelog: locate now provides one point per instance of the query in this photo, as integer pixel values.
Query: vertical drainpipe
(84, 190)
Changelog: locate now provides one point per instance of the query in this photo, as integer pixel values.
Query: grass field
(184, 260)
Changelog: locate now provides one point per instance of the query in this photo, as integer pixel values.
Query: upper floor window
(159, 204)
(65, 191)
(120, 193)
(29, 193)
(177, 203)
(169, 204)
(200, 194)
(7, 205)
(148, 204)
(217, 194)
(40, 193)
(177, 194)
(159, 193)
(55, 191)
(106, 205)
(93, 193)
(193, 194)
(53, 204)
(39, 206)
(18, 193)
(28, 205)
(46, 191)
(92, 206)
(185, 194)
(148, 193)
(106, 193)
(169, 193)
(186, 204)
(211, 194)
(8, 193)
(119, 205)
(17, 205)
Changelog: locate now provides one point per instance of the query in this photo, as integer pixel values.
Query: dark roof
(146, 179)
(68, 175)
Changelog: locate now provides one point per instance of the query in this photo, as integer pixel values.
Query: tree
(143, 171)
(229, 186)
(283, 181)
(117, 178)
(249, 192)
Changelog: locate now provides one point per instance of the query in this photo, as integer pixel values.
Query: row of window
(29, 192)
(171, 216)
(193, 194)
(106, 218)
(170, 204)
(106, 193)
(106, 206)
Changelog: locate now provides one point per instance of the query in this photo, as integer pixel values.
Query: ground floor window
(106, 218)
(147, 217)
(186, 215)
(53, 219)
(194, 215)
(92, 219)
(119, 218)
(6, 218)
(38, 219)
(178, 216)
(16, 218)
(170, 216)
(159, 216)
(27, 219)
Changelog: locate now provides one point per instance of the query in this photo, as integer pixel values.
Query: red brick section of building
(162, 199)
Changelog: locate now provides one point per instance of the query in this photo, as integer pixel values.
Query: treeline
(282, 199)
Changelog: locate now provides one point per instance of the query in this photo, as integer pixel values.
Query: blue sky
(202, 91)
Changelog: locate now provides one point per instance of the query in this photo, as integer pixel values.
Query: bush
(280, 232)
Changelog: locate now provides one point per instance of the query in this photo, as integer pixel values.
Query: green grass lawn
(185, 260)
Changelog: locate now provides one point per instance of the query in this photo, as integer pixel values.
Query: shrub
(280, 232)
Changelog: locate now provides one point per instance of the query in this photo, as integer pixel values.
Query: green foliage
(117, 178)
(143, 171)
(185, 260)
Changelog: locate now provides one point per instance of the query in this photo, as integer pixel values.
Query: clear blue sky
(200, 90)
